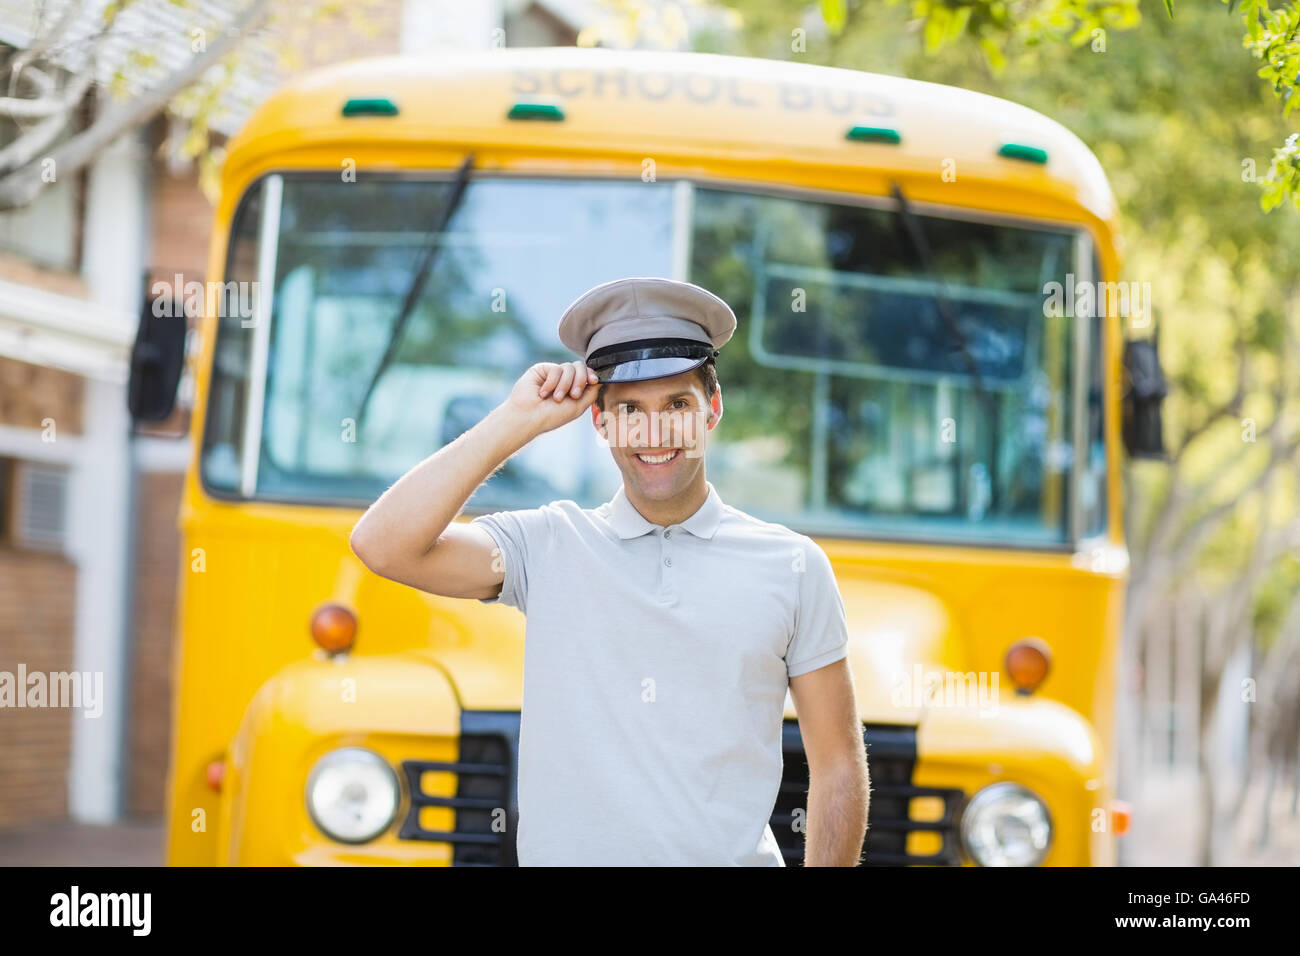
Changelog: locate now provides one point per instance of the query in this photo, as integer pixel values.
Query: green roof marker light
(536, 111)
(370, 106)
(874, 134)
(1030, 154)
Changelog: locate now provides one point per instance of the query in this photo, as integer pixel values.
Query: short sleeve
(821, 633)
(520, 536)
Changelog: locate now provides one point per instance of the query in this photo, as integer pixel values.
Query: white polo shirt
(656, 665)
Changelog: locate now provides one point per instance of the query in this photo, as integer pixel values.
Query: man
(664, 627)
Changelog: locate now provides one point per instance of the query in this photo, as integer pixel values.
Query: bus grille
(489, 751)
(485, 786)
(891, 757)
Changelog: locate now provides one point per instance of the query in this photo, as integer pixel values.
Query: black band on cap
(642, 349)
(643, 369)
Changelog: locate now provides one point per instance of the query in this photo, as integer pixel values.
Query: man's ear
(715, 408)
(597, 419)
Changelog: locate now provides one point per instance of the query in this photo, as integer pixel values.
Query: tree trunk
(1208, 618)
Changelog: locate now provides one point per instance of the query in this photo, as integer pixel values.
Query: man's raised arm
(409, 534)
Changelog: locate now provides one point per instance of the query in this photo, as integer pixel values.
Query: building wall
(107, 601)
(181, 222)
(30, 394)
(64, 569)
(180, 226)
(37, 614)
(157, 568)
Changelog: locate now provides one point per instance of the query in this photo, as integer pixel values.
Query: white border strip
(268, 239)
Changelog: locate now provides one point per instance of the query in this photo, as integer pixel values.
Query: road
(1164, 834)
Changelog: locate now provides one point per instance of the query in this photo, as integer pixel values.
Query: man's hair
(707, 374)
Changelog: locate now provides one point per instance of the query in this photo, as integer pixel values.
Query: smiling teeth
(657, 459)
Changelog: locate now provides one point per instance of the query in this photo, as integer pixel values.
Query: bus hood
(903, 639)
(901, 635)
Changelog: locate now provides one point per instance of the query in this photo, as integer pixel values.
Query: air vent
(41, 521)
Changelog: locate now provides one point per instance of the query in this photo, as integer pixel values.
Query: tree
(1271, 34)
(124, 62)
(1181, 148)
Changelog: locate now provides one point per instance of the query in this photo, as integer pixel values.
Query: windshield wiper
(941, 298)
(418, 279)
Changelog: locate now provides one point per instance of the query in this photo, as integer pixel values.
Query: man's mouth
(660, 459)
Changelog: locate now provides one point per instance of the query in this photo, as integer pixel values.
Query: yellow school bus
(910, 383)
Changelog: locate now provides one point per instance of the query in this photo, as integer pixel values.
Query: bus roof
(678, 108)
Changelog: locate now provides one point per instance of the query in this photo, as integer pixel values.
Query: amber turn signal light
(334, 628)
(1121, 817)
(1028, 661)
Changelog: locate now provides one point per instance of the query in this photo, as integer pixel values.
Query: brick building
(89, 549)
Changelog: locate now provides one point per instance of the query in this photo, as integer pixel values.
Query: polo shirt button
(668, 533)
(668, 562)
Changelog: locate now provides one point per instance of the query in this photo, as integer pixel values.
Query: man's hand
(550, 395)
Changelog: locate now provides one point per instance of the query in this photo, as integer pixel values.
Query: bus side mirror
(1144, 389)
(157, 360)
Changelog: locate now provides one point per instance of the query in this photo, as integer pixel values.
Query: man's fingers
(549, 383)
(561, 381)
(579, 383)
(566, 381)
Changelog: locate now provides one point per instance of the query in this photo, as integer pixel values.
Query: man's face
(657, 432)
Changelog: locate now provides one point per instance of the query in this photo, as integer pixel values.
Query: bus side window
(228, 386)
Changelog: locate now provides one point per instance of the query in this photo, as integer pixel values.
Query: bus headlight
(352, 795)
(1006, 825)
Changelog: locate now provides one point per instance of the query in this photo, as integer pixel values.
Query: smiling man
(664, 628)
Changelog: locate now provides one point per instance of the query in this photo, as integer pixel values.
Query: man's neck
(674, 510)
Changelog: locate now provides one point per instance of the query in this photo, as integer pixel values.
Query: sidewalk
(1164, 834)
(1166, 824)
(133, 843)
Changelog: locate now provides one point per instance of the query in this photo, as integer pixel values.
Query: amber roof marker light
(334, 628)
(1028, 662)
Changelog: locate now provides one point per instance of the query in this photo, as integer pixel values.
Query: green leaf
(834, 14)
(935, 27)
(997, 61)
(1169, 8)
(959, 22)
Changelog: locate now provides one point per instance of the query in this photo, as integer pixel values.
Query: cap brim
(641, 370)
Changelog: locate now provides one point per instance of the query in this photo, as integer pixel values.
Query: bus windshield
(869, 390)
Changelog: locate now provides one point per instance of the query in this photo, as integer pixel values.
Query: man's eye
(680, 403)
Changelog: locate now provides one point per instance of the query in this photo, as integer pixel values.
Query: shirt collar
(630, 523)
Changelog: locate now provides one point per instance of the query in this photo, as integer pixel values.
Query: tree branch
(1231, 407)
(71, 13)
(20, 187)
(1190, 542)
(27, 147)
